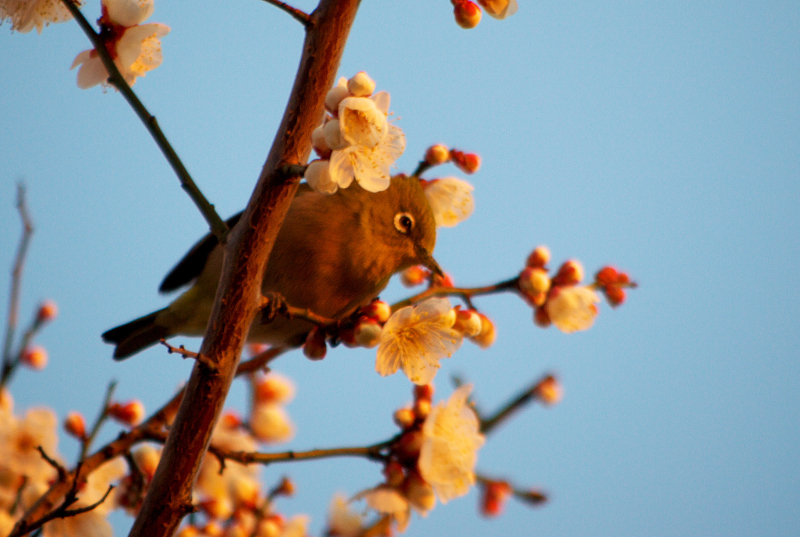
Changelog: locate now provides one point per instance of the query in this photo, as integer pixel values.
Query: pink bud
(130, 413)
(466, 162)
(606, 276)
(315, 347)
(615, 295)
(404, 418)
(413, 276)
(487, 335)
(35, 358)
(75, 425)
(47, 311)
(539, 257)
(377, 310)
(570, 273)
(467, 13)
(549, 390)
(495, 494)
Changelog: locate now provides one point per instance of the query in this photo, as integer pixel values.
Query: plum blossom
(415, 338)
(450, 199)
(356, 140)
(342, 521)
(390, 501)
(25, 15)
(499, 9)
(135, 47)
(572, 309)
(449, 450)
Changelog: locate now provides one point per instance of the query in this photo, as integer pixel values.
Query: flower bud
(572, 309)
(615, 295)
(245, 492)
(539, 257)
(147, 458)
(314, 347)
(467, 13)
(334, 97)
(606, 276)
(378, 310)
(318, 177)
(407, 448)
(286, 487)
(468, 322)
(218, 508)
(570, 273)
(35, 358)
(130, 413)
(47, 311)
(549, 390)
(487, 335)
(495, 494)
(270, 423)
(367, 333)
(422, 408)
(423, 391)
(274, 388)
(75, 425)
(230, 420)
(332, 133)
(466, 162)
(269, 527)
(404, 418)
(318, 142)
(534, 281)
(541, 318)
(437, 154)
(442, 281)
(622, 278)
(413, 276)
(361, 85)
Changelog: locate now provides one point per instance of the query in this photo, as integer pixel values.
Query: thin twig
(9, 363)
(300, 16)
(101, 418)
(523, 398)
(465, 293)
(115, 78)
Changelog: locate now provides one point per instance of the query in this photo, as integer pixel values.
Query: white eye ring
(403, 222)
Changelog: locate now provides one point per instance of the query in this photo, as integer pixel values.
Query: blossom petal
(129, 12)
(451, 200)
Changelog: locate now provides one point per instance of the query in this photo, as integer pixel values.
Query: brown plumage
(333, 254)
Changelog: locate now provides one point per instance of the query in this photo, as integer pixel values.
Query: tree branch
(246, 254)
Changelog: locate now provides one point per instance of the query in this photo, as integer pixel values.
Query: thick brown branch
(246, 255)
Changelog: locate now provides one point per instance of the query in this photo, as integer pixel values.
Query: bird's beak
(427, 259)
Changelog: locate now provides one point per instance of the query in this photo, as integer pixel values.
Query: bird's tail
(136, 335)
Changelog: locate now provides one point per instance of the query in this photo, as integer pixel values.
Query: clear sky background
(661, 137)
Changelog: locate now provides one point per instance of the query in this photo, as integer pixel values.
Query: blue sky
(660, 137)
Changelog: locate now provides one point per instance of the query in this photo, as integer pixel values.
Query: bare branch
(297, 14)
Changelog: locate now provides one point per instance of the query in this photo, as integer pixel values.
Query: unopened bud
(35, 358)
(315, 347)
(423, 391)
(622, 278)
(534, 281)
(378, 310)
(487, 335)
(332, 133)
(404, 418)
(444, 280)
(47, 311)
(422, 408)
(367, 333)
(541, 318)
(318, 142)
(539, 257)
(606, 276)
(570, 273)
(407, 448)
(147, 458)
(466, 162)
(615, 295)
(230, 420)
(495, 494)
(414, 276)
(549, 390)
(468, 322)
(361, 85)
(467, 13)
(274, 388)
(218, 508)
(213, 529)
(75, 425)
(334, 97)
(286, 487)
(437, 154)
(130, 413)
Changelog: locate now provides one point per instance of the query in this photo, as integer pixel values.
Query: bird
(333, 254)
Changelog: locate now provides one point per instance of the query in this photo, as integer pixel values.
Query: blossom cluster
(468, 14)
(356, 141)
(134, 47)
(450, 198)
(25, 15)
(560, 300)
(434, 457)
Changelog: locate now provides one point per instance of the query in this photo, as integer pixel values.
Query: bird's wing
(193, 262)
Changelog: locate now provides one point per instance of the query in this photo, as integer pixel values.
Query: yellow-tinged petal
(129, 12)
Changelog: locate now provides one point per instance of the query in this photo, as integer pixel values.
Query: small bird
(333, 254)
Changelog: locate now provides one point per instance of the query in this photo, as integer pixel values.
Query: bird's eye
(403, 222)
